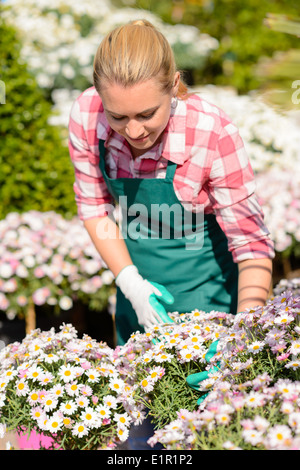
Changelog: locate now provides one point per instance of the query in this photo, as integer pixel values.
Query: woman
(193, 235)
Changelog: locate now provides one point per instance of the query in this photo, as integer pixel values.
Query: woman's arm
(254, 283)
(108, 240)
(143, 295)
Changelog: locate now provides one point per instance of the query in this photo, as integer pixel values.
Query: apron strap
(102, 151)
(171, 168)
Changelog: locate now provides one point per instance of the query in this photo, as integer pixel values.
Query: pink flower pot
(34, 441)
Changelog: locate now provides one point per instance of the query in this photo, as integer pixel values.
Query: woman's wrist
(255, 278)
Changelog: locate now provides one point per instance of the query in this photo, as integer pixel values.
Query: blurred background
(242, 56)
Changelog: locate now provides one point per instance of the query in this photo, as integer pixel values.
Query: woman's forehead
(139, 98)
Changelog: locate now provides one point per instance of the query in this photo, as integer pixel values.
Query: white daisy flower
(110, 401)
(72, 389)
(82, 402)
(34, 372)
(33, 398)
(93, 375)
(45, 378)
(3, 383)
(50, 358)
(256, 346)
(90, 417)
(50, 403)
(22, 388)
(280, 436)
(253, 436)
(103, 411)
(293, 364)
(122, 419)
(58, 390)
(80, 430)
(254, 399)
(163, 357)
(68, 407)
(284, 319)
(295, 347)
(67, 373)
(9, 374)
(147, 384)
(123, 434)
(116, 384)
(54, 423)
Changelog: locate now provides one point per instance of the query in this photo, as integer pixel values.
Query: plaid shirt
(213, 169)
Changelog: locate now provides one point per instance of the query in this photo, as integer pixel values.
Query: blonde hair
(134, 53)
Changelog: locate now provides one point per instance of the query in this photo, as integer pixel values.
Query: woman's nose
(134, 129)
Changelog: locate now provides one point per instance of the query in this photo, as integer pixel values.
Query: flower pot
(34, 441)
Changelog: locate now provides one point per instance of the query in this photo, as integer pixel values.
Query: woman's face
(140, 113)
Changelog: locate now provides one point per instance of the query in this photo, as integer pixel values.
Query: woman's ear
(176, 84)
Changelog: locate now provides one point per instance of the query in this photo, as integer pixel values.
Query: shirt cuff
(254, 250)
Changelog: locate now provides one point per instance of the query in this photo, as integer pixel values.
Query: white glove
(142, 295)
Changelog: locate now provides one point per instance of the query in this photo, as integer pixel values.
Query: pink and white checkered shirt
(213, 170)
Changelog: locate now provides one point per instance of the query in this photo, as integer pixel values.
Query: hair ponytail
(133, 53)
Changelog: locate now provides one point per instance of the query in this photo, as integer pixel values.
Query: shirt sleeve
(91, 193)
(232, 189)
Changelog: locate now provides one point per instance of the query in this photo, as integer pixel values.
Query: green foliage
(280, 74)
(36, 172)
(240, 29)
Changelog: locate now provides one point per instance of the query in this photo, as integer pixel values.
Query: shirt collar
(104, 130)
(172, 147)
(174, 141)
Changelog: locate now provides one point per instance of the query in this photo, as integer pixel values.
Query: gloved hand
(144, 296)
(193, 380)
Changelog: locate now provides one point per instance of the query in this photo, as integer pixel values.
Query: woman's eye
(117, 118)
(148, 116)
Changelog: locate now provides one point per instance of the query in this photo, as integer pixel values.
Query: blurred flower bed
(272, 140)
(47, 260)
(68, 34)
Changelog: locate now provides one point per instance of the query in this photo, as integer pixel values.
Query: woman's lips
(140, 139)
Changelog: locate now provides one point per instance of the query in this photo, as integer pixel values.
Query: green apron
(188, 256)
